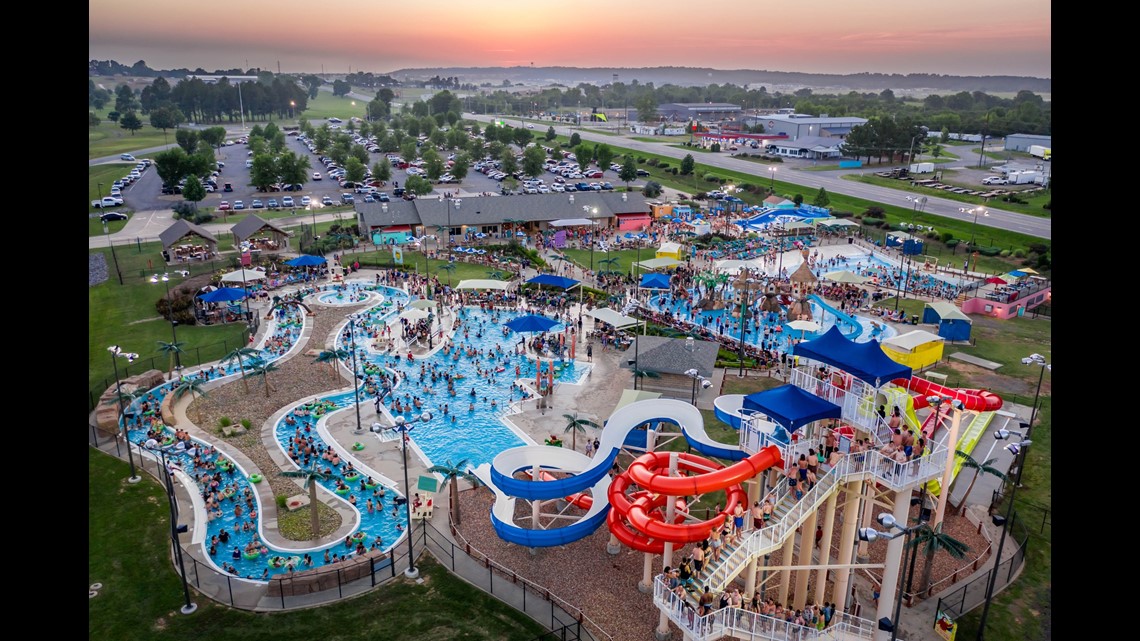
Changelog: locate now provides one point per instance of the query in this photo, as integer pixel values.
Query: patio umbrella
(994, 280)
(244, 276)
(845, 276)
(1028, 270)
(223, 295)
(531, 323)
(306, 260)
(804, 326)
(422, 303)
(413, 314)
(1017, 273)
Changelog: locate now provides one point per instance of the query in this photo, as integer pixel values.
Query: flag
(560, 239)
(397, 255)
(246, 259)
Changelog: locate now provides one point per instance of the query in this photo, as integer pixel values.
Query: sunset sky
(965, 37)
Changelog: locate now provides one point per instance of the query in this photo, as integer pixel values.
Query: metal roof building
(795, 126)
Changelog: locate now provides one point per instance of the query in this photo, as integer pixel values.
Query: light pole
(114, 256)
(745, 286)
(697, 378)
(116, 352)
(976, 211)
(403, 427)
(355, 376)
(165, 279)
(871, 535)
(291, 105)
(1039, 360)
(772, 173)
(168, 484)
(1003, 521)
(586, 209)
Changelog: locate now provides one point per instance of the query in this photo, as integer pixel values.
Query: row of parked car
(115, 198)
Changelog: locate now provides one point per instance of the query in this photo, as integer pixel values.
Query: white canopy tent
(910, 340)
(658, 263)
(571, 222)
(247, 275)
(414, 314)
(607, 315)
(482, 283)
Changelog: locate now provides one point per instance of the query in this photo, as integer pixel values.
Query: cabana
(953, 323)
(205, 248)
(262, 235)
(669, 250)
(916, 349)
(657, 263)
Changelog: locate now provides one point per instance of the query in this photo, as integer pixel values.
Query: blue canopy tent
(306, 260)
(791, 407)
(655, 281)
(865, 361)
(223, 295)
(531, 323)
(953, 323)
(554, 281)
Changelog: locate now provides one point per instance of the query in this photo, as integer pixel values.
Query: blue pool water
(875, 265)
(476, 435)
(349, 293)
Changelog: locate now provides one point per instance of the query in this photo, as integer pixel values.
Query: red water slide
(972, 399)
(638, 521)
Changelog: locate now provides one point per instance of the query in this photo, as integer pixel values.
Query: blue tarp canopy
(223, 295)
(553, 281)
(655, 281)
(306, 260)
(791, 407)
(865, 361)
(532, 323)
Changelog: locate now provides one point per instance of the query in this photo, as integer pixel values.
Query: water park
(720, 497)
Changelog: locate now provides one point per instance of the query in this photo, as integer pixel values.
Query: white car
(287, 201)
(306, 201)
(995, 180)
(316, 175)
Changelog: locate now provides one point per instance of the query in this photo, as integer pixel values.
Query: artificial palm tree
(262, 369)
(191, 385)
(610, 263)
(332, 357)
(173, 349)
(643, 373)
(936, 541)
(448, 267)
(239, 355)
(575, 425)
(969, 463)
(452, 474)
(311, 474)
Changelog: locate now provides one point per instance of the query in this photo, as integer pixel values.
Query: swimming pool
(876, 265)
(349, 293)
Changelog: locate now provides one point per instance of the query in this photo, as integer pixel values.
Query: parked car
(642, 172)
(316, 175)
(287, 201)
(347, 198)
(126, 157)
(257, 204)
(306, 201)
(239, 205)
(995, 180)
(382, 197)
(224, 205)
(107, 201)
(326, 200)
(272, 203)
(112, 215)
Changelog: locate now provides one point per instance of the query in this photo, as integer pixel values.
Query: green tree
(240, 354)
(166, 118)
(452, 475)
(935, 541)
(194, 192)
(322, 138)
(575, 424)
(332, 357)
(213, 136)
(985, 467)
(575, 140)
(264, 171)
(508, 163)
(821, 198)
(628, 171)
(191, 385)
(585, 154)
(173, 349)
(264, 369)
(550, 133)
(382, 170)
(354, 170)
(688, 165)
(93, 120)
(130, 121)
(460, 166)
(609, 265)
(798, 199)
(522, 137)
(652, 189)
(449, 268)
(533, 159)
(293, 169)
(418, 185)
(114, 116)
(311, 475)
(647, 108)
(605, 156)
(433, 164)
(409, 150)
(125, 99)
(187, 139)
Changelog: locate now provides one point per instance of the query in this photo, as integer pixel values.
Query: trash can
(850, 240)
(914, 319)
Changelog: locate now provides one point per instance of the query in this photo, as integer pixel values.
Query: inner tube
(359, 536)
(249, 556)
(228, 492)
(372, 485)
(358, 446)
(341, 492)
(352, 478)
(254, 478)
(224, 465)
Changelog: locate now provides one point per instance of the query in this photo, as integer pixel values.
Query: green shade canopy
(427, 484)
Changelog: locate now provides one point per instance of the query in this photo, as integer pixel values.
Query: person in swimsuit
(738, 522)
(757, 516)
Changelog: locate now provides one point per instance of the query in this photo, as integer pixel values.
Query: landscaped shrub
(989, 251)
(246, 423)
(1004, 253)
(1019, 253)
(225, 421)
(712, 178)
(874, 212)
(282, 501)
(945, 237)
(952, 243)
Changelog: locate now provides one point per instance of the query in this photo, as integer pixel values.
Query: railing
(972, 594)
(857, 402)
(744, 623)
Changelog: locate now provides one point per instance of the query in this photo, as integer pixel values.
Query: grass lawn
(130, 555)
(109, 139)
(1034, 207)
(326, 105)
(106, 174)
(416, 261)
(625, 258)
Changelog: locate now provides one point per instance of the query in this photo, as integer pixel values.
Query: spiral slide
(593, 473)
(972, 399)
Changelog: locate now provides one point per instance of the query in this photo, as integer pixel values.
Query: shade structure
(422, 303)
(655, 281)
(658, 263)
(531, 323)
(994, 280)
(482, 283)
(223, 295)
(804, 326)
(865, 361)
(554, 281)
(413, 314)
(791, 406)
(607, 315)
(306, 260)
(803, 274)
(845, 276)
(571, 222)
(1028, 270)
(244, 275)
(1018, 273)
(731, 265)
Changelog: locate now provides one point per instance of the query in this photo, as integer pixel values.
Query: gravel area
(295, 378)
(97, 271)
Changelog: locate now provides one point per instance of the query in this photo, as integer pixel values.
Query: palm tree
(262, 369)
(495, 274)
(642, 373)
(452, 474)
(442, 232)
(936, 540)
(448, 267)
(332, 357)
(311, 474)
(171, 348)
(193, 385)
(575, 425)
(969, 463)
(237, 355)
(610, 264)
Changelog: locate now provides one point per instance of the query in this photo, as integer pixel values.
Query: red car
(224, 206)
(593, 174)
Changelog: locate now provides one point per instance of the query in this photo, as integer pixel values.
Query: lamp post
(165, 279)
(168, 484)
(772, 173)
(976, 211)
(1039, 360)
(586, 209)
(116, 352)
(745, 286)
(291, 105)
(403, 427)
(352, 318)
(697, 378)
(871, 535)
(114, 256)
(1015, 449)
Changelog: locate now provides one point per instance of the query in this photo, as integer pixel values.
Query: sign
(945, 626)
(377, 239)
(771, 123)
(397, 255)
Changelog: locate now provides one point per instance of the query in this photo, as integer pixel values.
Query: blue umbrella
(222, 295)
(531, 323)
(1017, 272)
(306, 260)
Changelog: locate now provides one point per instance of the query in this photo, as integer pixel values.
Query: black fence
(970, 595)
